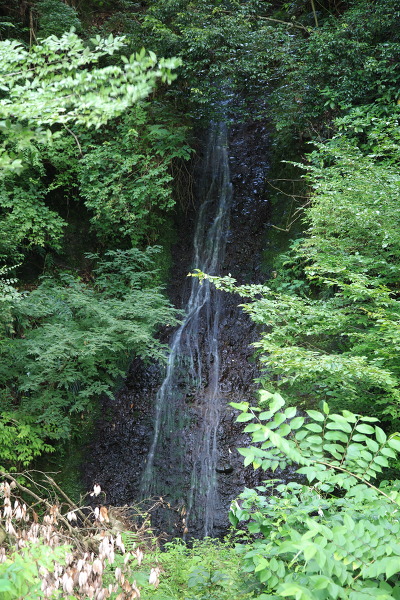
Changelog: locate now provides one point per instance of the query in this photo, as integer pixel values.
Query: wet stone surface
(117, 455)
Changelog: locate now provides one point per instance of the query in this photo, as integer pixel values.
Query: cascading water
(192, 374)
(177, 438)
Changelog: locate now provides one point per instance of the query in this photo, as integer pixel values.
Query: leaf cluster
(336, 536)
(59, 82)
(126, 181)
(330, 317)
(72, 341)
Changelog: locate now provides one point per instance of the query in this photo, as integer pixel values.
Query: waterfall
(177, 437)
(191, 384)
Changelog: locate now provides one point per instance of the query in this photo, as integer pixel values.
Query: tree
(69, 343)
(77, 337)
(57, 82)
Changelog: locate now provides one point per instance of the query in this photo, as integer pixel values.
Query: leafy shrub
(209, 570)
(330, 318)
(335, 536)
(350, 60)
(126, 181)
(55, 18)
(72, 342)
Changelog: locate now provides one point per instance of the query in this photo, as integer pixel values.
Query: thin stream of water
(194, 362)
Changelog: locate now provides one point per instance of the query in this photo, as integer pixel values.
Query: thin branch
(64, 495)
(25, 490)
(284, 193)
(292, 222)
(297, 25)
(285, 229)
(76, 139)
(321, 462)
(314, 13)
(32, 35)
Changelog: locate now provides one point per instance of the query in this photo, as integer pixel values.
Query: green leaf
(363, 428)
(244, 417)
(254, 528)
(239, 405)
(348, 522)
(392, 566)
(276, 403)
(248, 460)
(310, 551)
(388, 452)
(325, 408)
(265, 415)
(233, 519)
(337, 425)
(314, 427)
(252, 427)
(263, 563)
(314, 414)
(279, 418)
(320, 582)
(337, 436)
(290, 412)
(381, 460)
(297, 422)
(380, 435)
(394, 442)
(284, 430)
(6, 586)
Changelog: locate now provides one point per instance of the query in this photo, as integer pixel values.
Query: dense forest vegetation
(96, 135)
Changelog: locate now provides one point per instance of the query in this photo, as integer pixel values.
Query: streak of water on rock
(193, 368)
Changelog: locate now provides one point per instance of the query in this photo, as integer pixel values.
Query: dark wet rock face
(194, 462)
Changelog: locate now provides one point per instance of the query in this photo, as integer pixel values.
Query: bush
(208, 570)
(333, 533)
(73, 341)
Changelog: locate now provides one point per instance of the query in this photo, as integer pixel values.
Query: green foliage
(69, 341)
(224, 46)
(72, 341)
(209, 570)
(122, 174)
(19, 574)
(59, 82)
(374, 129)
(55, 18)
(335, 536)
(350, 60)
(337, 336)
(25, 220)
(8, 296)
(331, 315)
(21, 439)
(126, 180)
(356, 198)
